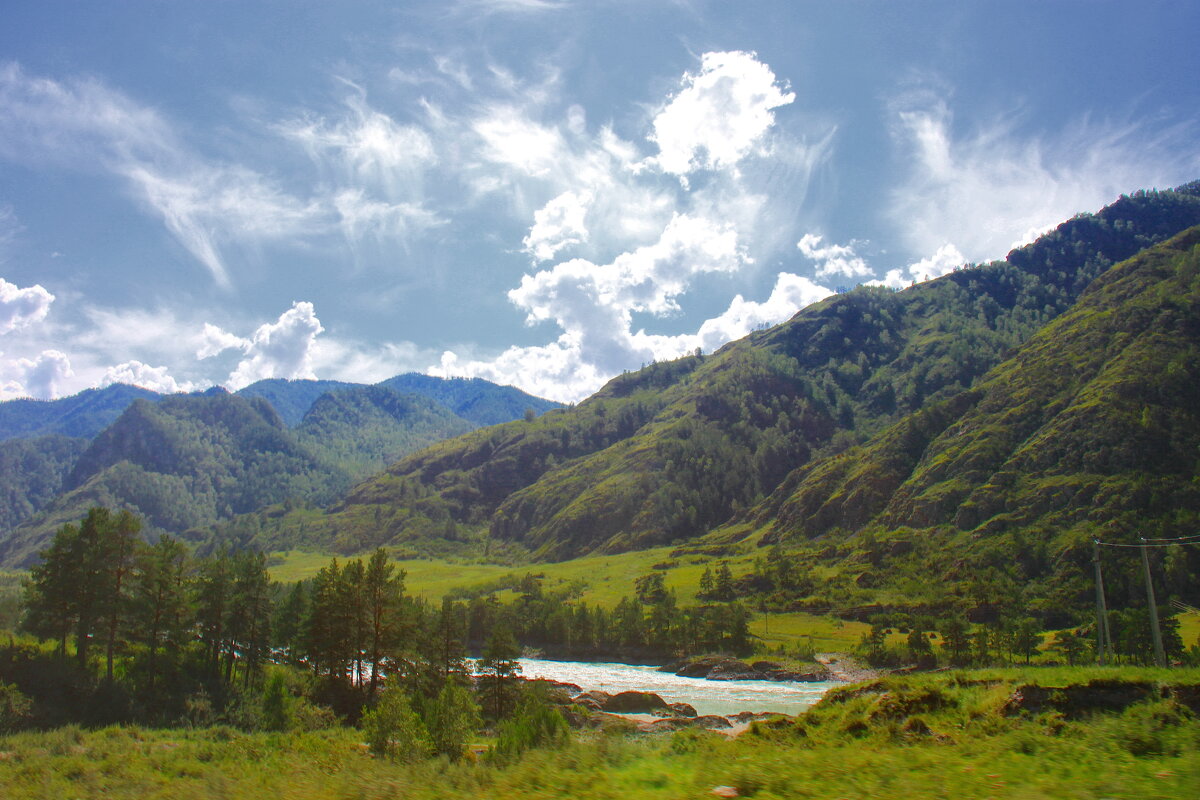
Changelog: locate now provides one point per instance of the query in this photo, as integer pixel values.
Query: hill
(669, 453)
(363, 429)
(1091, 429)
(292, 399)
(80, 416)
(475, 399)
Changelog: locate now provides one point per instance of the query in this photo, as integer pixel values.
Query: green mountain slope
(183, 462)
(79, 416)
(32, 473)
(475, 399)
(1094, 421)
(671, 452)
(363, 429)
(292, 399)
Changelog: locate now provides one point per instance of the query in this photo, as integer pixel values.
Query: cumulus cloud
(791, 293)
(41, 378)
(988, 188)
(214, 341)
(280, 349)
(558, 225)
(135, 373)
(20, 308)
(834, 259)
(720, 115)
(945, 260)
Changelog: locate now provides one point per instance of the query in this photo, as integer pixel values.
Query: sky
(542, 193)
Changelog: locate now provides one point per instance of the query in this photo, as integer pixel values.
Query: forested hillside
(363, 429)
(183, 462)
(673, 451)
(32, 473)
(1091, 429)
(80, 416)
(198, 460)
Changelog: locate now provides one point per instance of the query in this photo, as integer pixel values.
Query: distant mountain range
(1038, 394)
(184, 461)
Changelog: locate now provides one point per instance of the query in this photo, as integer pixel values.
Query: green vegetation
(80, 416)
(1011, 734)
(678, 449)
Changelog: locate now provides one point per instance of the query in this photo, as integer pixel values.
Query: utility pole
(1102, 642)
(1160, 657)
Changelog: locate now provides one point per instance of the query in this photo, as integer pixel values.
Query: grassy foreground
(999, 733)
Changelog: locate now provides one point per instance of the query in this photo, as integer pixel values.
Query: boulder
(636, 703)
(712, 722)
(683, 710)
(595, 696)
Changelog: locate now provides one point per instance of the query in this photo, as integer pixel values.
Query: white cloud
(791, 293)
(211, 205)
(214, 341)
(720, 116)
(360, 217)
(280, 349)
(41, 378)
(834, 259)
(20, 308)
(944, 261)
(85, 125)
(512, 140)
(135, 373)
(367, 145)
(993, 186)
(557, 225)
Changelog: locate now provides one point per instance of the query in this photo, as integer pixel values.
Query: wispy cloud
(83, 124)
(994, 187)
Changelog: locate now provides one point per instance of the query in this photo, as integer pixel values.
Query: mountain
(1091, 429)
(363, 429)
(673, 451)
(292, 399)
(480, 401)
(32, 473)
(80, 416)
(182, 462)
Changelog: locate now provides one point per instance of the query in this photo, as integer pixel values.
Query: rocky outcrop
(683, 709)
(637, 703)
(726, 668)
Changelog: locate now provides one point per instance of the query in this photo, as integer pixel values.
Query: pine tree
(498, 667)
(159, 602)
(383, 595)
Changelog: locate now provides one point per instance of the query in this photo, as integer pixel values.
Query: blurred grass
(953, 734)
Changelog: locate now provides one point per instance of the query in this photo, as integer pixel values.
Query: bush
(393, 729)
(535, 724)
(16, 710)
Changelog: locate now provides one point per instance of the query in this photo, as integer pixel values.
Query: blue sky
(539, 192)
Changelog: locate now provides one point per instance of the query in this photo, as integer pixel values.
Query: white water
(707, 697)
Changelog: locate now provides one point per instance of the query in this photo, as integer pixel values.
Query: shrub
(393, 729)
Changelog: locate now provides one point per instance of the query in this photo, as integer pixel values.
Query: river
(707, 697)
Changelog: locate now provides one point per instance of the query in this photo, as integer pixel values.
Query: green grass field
(947, 735)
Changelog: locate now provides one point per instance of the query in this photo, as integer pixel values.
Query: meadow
(955, 734)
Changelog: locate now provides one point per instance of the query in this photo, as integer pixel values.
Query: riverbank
(1006, 734)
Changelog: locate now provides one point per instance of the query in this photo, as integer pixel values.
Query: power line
(1147, 544)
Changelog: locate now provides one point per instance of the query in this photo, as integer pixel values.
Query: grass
(604, 579)
(923, 736)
